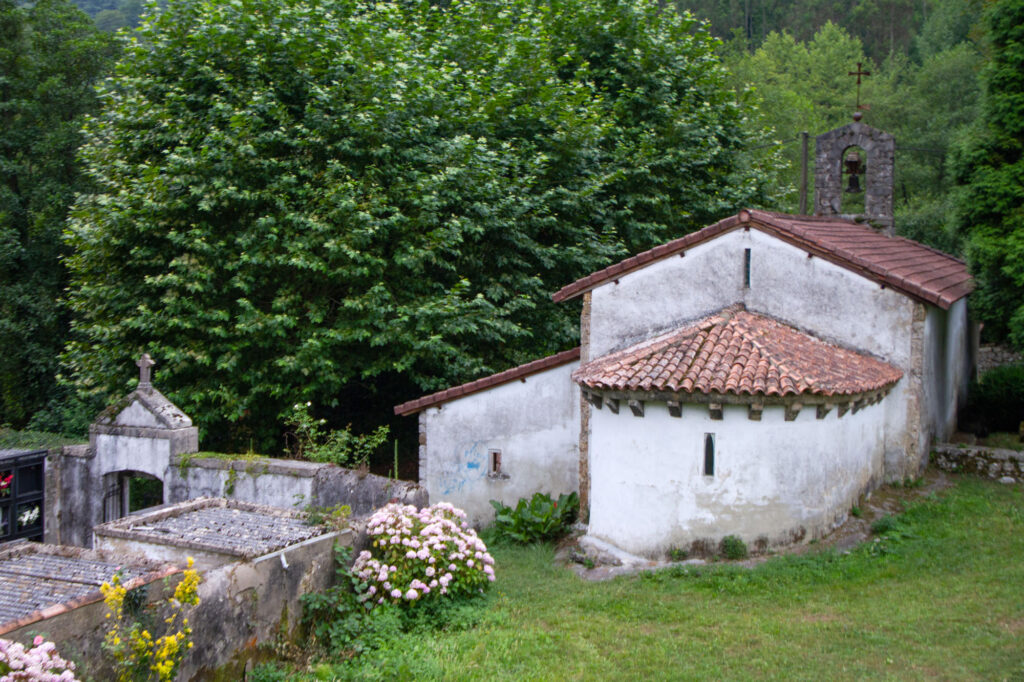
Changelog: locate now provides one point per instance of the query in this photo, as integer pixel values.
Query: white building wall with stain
(808, 293)
(811, 294)
(649, 492)
(533, 422)
(947, 366)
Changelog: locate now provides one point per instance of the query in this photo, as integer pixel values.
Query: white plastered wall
(535, 424)
(808, 293)
(947, 367)
(129, 453)
(775, 482)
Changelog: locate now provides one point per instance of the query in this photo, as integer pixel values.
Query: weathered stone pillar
(584, 471)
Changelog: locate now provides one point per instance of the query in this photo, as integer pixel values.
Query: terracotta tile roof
(520, 372)
(737, 352)
(902, 264)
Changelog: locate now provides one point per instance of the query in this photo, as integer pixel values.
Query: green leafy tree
(801, 87)
(325, 200)
(51, 55)
(990, 165)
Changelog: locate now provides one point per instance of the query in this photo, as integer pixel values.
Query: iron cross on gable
(858, 73)
(144, 363)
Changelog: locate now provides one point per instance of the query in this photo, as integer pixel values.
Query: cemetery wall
(1005, 465)
(286, 483)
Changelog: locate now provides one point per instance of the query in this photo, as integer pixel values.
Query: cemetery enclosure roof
(738, 352)
(219, 525)
(520, 372)
(41, 581)
(911, 268)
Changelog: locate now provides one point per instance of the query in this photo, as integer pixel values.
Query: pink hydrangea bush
(428, 553)
(38, 664)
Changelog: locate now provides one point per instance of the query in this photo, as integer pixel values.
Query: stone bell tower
(879, 149)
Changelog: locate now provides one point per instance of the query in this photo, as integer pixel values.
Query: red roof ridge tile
(484, 383)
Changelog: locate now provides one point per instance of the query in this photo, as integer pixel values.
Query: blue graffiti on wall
(467, 468)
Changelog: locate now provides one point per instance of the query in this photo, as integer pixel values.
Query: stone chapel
(754, 378)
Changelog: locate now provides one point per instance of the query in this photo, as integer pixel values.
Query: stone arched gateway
(137, 435)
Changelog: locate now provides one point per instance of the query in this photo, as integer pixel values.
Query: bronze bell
(853, 168)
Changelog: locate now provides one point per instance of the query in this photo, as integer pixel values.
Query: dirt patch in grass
(1014, 627)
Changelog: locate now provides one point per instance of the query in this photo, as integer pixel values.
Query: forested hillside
(927, 95)
(883, 27)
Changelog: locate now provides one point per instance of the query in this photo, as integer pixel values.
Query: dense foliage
(111, 15)
(539, 518)
(996, 401)
(340, 628)
(990, 164)
(311, 199)
(50, 57)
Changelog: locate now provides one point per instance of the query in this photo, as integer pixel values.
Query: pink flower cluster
(422, 553)
(38, 664)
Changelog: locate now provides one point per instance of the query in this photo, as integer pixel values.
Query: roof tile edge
(484, 383)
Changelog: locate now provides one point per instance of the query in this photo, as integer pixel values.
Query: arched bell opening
(854, 181)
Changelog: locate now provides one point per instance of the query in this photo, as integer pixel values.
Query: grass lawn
(941, 598)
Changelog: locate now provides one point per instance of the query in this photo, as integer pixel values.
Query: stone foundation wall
(991, 355)
(1004, 465)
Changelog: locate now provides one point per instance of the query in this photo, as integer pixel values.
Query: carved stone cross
(144, 363)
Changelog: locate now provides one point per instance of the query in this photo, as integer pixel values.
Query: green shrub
(337, 621)
(886, 524)
(678, 554)
(540, 518)
(308, 440)
(268, 672)
(340, 626)
(996, 402)
(734, 548)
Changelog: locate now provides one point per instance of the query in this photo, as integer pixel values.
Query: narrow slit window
(495, 463)
(709, 454)
(746, 268)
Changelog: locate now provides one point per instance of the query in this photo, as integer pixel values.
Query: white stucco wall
(774, 480)
(947, 367)
(123, 453)
(535, 423)
(811, 294)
